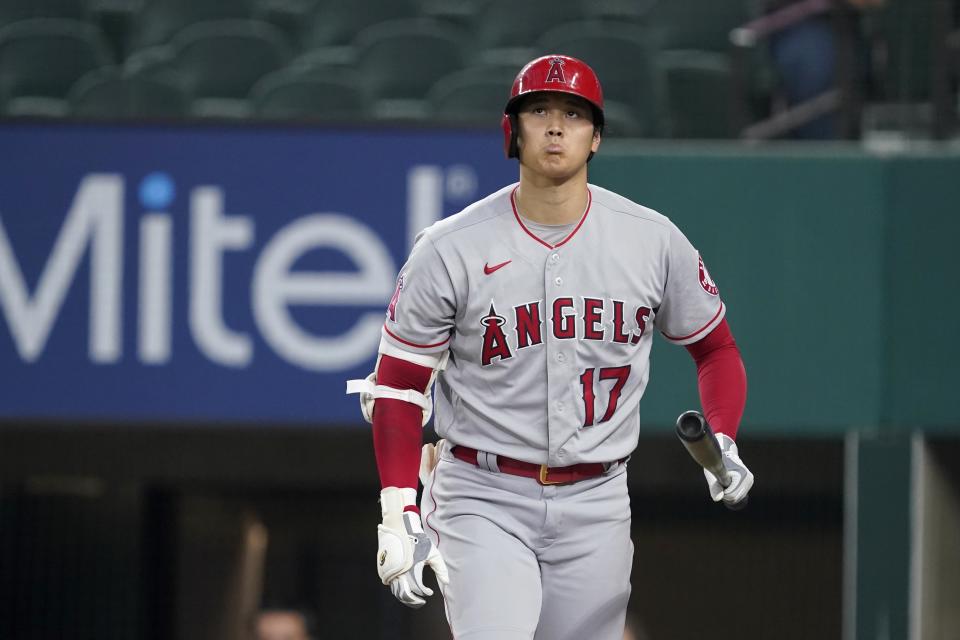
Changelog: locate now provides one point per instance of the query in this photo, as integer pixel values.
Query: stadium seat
(335, 22)
(457, 12)
(623, 56)
(341, 57)
(221, 60)
(623, 121)
(471, 96)
(400, 60)
(41, 59)
(152, 61)
(287, 15)
(628, 11)
(107, 93)
(699, 94)
(506, 31)
(15, 10)
(697, 24)
(286, 94)
(159, 20)
(99, 7)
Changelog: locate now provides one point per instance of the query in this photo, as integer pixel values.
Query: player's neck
(550, 201)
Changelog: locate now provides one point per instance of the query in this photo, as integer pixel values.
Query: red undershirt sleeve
(397, 432)
(721, 379)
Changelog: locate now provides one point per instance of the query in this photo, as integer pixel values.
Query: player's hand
(403, 551)
(741, 479)
(401, 558)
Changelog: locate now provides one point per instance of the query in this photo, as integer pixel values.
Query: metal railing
(844, 97)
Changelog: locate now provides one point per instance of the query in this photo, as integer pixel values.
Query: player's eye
(573, 114)
(539, 110)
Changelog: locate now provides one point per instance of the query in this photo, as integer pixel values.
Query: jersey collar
(516, 214)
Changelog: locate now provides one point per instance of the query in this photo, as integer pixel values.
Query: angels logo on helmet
(556, 71)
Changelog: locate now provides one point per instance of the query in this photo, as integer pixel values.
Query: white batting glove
(741, 479)
(404, 549)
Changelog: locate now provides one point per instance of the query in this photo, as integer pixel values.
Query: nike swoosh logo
(487, 269)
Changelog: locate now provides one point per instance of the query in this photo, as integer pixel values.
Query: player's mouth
(554, 148)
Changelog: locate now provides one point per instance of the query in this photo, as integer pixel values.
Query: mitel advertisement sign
(211, 274)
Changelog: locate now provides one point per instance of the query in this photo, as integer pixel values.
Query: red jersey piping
(698, 331)
(583, 218)
(414, 344)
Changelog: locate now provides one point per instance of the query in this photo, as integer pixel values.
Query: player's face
(556, 134)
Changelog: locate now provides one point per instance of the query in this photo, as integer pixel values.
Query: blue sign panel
(211, 274)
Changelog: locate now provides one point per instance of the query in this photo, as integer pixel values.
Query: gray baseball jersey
(549, 343)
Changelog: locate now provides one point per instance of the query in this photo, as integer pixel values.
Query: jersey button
(558, 281)
(561, 357)
(560, 407)
(555, 257)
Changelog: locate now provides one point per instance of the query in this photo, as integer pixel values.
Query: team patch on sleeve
(705, 280)
(395, 299)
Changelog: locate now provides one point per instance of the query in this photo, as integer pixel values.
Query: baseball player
(534, 310)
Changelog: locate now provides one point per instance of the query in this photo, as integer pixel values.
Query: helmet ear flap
(509, 125)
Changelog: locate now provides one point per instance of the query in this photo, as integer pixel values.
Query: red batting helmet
(551, 73)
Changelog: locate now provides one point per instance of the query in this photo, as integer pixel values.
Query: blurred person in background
(634, 629)
(283, 623)
(806, 52)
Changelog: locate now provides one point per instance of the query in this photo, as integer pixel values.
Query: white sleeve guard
(369, 390)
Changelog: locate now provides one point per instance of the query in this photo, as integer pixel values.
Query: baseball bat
(701, 443)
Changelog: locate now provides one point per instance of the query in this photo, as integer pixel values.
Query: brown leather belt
(540, 472)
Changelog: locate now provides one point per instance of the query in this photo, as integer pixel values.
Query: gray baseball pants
(527, 561)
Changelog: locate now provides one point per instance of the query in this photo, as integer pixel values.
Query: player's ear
(596, 140)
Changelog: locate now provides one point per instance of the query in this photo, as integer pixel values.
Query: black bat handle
(691, 426)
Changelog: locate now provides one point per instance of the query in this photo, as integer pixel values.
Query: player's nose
(555, 123)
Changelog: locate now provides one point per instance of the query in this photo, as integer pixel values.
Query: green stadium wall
(837, 269)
